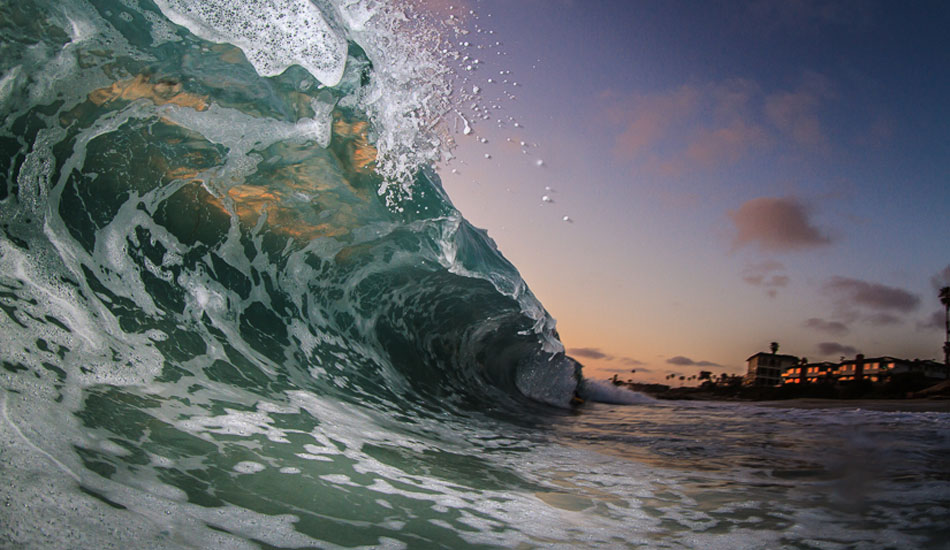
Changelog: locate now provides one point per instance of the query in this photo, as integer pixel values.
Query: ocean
(239, 310)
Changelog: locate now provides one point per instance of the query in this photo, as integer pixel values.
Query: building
(808, 374)
(873, 369)
(766, 369)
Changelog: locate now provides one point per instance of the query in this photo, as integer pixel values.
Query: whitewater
(239, 310)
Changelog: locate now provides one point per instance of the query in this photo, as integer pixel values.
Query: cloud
(795, 113)
(707, 125)
(589, 353)
(687, 362)
(649, 118)
(883, 318)
(834, 348)
(854, 292)
(776, 224)
(834, 328)
(936, 321)
(625, 370)
(688, 127)
(598, 354)
(709, 147)
(763, 274)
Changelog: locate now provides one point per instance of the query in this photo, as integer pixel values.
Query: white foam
(248, 467)
(8, 83)
(272, 35)
(605, 392)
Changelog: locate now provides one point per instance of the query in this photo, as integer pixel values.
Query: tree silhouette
(945, 300)
(774, 347)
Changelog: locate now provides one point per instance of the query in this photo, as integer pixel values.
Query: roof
(767, 354)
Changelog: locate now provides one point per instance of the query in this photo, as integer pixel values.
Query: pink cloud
(766, 275)
(649, 118)
(709, 147)
(776, 224)
(702, 127)
(795, 113)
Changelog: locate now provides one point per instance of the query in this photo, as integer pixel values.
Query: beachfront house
(808, 373)
(873, 369)
(765, 369)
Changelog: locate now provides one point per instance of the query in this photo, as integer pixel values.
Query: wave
(230, 279)
(242, 194)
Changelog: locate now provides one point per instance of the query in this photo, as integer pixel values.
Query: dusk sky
(765, 171)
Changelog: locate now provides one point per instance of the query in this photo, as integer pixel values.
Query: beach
(886, 405)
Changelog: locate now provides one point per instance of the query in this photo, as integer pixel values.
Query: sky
(732, 175)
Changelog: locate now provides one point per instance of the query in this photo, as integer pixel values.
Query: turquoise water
(239, 311)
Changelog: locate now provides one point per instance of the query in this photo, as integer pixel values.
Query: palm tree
(774, 347)
(945, 300)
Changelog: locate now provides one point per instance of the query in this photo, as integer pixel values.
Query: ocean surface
(238, 310)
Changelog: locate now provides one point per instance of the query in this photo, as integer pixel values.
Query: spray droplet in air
(468, 128)
(547, 199)
(567, 219)
(540, 162)
(488, 156)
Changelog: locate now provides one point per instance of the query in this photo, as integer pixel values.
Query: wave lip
(273, 37)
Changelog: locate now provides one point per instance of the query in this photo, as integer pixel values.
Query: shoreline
(886, 405)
